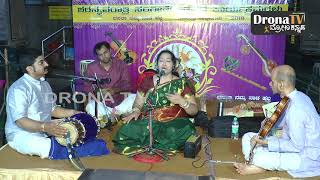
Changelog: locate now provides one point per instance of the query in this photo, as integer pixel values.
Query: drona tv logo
(268, 22)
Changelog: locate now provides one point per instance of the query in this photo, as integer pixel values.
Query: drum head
(73, 133)
(83, 66)
(88, 126)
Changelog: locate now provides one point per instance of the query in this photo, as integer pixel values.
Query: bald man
(297, 151)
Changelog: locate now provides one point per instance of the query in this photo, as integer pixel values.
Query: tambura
(84, 65)
(82, 127)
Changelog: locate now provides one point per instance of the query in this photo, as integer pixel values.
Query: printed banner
(220, 54)
(167, 13)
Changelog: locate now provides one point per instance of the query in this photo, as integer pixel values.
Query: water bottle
(235, 129)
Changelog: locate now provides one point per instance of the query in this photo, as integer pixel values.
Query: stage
(17, 166)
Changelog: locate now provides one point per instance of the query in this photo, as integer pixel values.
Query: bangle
(135, 109)
(42, 127)
(186, 105)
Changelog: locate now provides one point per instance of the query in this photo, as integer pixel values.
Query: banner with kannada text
(212, 39)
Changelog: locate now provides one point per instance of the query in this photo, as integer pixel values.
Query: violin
(123, 54)
(270, 122)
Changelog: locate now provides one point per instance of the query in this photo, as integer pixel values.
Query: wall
(39, 26)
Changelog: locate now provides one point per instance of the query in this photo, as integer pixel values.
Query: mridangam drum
(82, 127)
(83, 66)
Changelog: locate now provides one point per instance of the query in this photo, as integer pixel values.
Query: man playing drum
(30, 106)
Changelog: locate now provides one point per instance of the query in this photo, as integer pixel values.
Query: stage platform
(17, 166)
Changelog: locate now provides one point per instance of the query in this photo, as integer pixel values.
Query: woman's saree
(171, 125)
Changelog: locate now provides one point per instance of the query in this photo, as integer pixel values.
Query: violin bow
(122, 44)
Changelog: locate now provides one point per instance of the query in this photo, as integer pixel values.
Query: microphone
(72, 155)
(104, 81)
(101, 81)
(74, 77)
(161, 73)
(88, 79)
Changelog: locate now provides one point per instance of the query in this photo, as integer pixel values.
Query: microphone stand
(150, 150)
(72, 155)
(98, 85)
(73, 88)
(73, 79)
(6, 86)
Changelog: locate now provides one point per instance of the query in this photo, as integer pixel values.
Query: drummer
(30, 106)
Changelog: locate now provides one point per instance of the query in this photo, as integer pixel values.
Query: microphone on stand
(161, 73)
(72, 154)
(104, 81)
(88, 79)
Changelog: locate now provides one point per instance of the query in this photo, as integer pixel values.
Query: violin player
(297, 150)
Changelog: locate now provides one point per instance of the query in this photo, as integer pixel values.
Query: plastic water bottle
(235, 129)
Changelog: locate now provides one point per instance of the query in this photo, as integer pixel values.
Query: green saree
(171, 124)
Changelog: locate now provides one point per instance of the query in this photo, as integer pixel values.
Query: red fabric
(118, 74)
(145, 80)
(147, 158)
(52, 46)
(166, 114)
(189, 87)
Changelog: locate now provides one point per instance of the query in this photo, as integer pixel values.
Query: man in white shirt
(30, 106)
(297, 151)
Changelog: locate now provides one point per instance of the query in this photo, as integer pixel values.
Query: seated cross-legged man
(114, 81)
(297, 150)
(30, 107)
